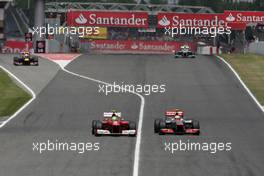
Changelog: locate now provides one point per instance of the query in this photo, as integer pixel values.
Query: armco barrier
(208, 50)
(135, 46)
(256, 47)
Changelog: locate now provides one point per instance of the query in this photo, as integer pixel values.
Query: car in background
(174, 122)
(26, 59)
(184, 52)
(113, 124)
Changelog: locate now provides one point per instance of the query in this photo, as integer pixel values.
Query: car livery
(113, 124)
(185, 52)
(174, 123)
(25, 59)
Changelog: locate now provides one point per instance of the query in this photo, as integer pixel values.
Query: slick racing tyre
(196, 125)
(132, 126)
(94, 126)
(16, 60)
(156, 125)
(35, 61)
(162, 125)
(98, 125)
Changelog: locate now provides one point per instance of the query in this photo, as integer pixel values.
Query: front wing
(172, 131)
(123, 133)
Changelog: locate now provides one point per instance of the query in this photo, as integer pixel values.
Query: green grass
(250, 68)
(12, 97)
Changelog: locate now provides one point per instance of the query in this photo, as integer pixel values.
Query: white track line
(140, 121)
(243, 84)
(25, 105)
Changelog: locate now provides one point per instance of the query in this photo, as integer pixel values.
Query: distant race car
(184, 52)
(174, 123)
(113, 124)
(25, 59)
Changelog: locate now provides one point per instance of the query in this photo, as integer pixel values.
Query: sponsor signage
(28, 37)
(106, 18)
(244, 17)
(237, 26)
(16, 46)
(190, 20)
(100, 34)
(40, 46)
(139, 46)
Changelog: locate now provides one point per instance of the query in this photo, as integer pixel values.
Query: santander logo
(164, 21)
(230, 18)
(134, 46)
(81, 19)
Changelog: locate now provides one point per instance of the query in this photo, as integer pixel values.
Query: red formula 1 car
(113, 124)
(175, 123)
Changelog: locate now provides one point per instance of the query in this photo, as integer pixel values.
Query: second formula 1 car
(174, 123)
(113, 124)
(185, 52)
(26, 59)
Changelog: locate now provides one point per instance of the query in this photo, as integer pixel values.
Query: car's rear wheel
(98, 125)
(15, 60)
(162, 125)
(156, 125)
(94, 126)
(132, 126)
(196, 125)
(35, 61)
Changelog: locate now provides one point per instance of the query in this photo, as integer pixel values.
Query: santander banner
(190, 20)
(16, 46)
(138, 46)
(244, 17)
(106, 18)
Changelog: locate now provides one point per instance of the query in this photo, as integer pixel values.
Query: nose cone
(115, 123)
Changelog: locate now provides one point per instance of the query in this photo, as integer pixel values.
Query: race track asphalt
(36, 77)
(204, 87)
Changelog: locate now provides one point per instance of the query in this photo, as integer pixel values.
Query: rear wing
(174, 113)
(170, 113)
(185, 47)
(109, 114)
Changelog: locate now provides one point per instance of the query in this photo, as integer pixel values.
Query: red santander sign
(105, 18)
(139, 46)
(190, 20)
(246, 17)
(16, 46)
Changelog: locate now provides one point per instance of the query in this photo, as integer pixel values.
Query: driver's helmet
(26, 54)
(179, 113)
(113, 113)
(114, 118)
(177, 117)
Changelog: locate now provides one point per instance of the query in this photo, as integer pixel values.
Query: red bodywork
(108, 123)
(116, 127)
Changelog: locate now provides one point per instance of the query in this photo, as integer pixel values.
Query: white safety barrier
(256, 47)
(208, 50)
